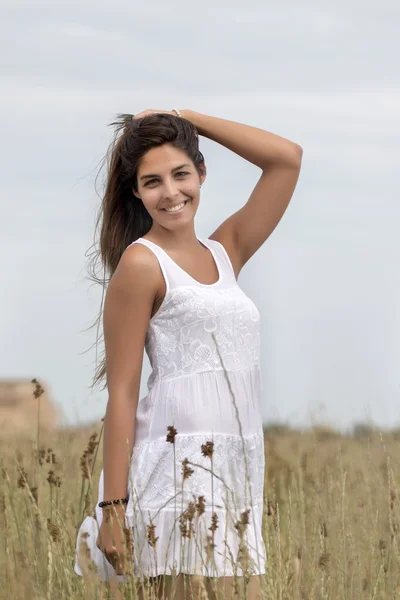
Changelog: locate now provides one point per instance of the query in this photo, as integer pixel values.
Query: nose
(171, 188)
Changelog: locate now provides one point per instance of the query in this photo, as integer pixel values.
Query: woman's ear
(203, 169)
(135, 194)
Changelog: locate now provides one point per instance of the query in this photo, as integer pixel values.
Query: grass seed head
(323, 562)
(87, 456)
(151, 536)
(38, 391)
(23, 477)
(214, 522)
(240, 525)
(171, 434)
(207, 449)
(186, 470)
(54, 531)
(51, 478)
(201, 505)
(186, 520)
(183, 526)
(324, 530)
(271, 509)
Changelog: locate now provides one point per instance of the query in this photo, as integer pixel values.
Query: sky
(326, 282)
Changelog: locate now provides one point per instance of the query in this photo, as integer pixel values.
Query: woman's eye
(179, 173)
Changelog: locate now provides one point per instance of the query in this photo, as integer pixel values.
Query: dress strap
(160, 257)
(223, 257)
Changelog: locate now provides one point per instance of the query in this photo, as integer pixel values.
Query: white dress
(204, 348)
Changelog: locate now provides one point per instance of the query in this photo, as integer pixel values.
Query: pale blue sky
(326, 281)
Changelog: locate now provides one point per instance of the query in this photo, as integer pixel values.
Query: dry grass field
(331, 515)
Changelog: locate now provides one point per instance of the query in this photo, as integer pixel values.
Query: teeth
(175, 208)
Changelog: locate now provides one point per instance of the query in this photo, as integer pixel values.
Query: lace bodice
(179, 340)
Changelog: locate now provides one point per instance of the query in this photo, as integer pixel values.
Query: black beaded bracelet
(108, 502)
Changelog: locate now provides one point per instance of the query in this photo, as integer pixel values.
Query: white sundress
(204, 348)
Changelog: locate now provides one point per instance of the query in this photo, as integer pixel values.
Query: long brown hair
(122, 216)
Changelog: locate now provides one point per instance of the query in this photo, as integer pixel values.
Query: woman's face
(167, 178)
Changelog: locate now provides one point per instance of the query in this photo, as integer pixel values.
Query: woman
(183, 467)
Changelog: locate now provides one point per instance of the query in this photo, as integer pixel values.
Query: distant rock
(19, 408)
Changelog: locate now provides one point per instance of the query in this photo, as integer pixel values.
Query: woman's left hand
(151, 111)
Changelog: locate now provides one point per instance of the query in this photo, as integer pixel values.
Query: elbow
(298, 151)
(296, 156)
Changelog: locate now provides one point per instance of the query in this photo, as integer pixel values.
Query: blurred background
(326, 281)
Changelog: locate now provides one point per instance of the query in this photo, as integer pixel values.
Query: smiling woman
(167, 184)
(185, 463)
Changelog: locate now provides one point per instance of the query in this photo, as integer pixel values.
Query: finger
(140, 115)
(116, 562)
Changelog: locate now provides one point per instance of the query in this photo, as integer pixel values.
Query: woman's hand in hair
(151, 111)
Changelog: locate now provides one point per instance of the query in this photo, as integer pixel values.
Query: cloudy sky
(324, 75)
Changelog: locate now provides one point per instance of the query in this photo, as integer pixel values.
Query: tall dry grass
(331, 514)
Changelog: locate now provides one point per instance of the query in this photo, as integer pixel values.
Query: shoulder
(141, 257)
(138, 265)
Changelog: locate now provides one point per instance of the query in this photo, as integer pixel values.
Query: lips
(179, 203)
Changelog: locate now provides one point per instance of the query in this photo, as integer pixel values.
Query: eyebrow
(172, 170)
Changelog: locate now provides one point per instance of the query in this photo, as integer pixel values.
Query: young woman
(183, 467)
